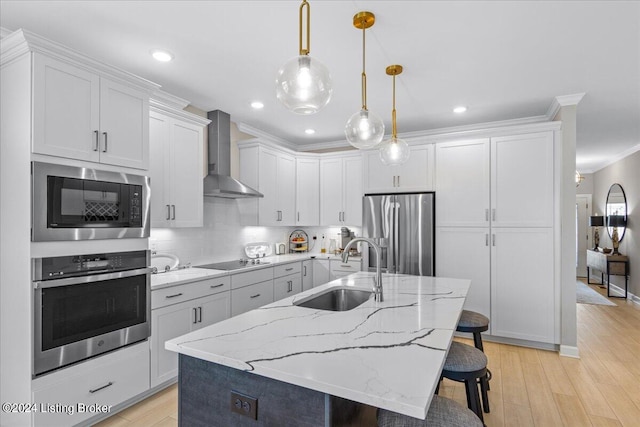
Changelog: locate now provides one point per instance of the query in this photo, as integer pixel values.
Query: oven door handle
(42, 284)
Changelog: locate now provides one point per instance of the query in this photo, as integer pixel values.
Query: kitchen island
(303, 365)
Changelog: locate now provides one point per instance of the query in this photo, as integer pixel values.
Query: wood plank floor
(529, 387)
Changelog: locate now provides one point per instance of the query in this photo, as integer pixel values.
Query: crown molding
(615, 159)
(22, 41)
(266, 137)
(164, 98)
(4, 32)
(563, 101)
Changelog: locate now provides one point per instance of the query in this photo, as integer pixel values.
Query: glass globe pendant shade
(364, 130)
(303, 85)
(394, 151)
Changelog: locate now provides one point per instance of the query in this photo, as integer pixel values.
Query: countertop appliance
(403, 225)
(73, 203)
(86, 305)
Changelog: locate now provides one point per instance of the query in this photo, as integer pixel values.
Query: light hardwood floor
(529, 387)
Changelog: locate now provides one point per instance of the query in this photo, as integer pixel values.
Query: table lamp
(596, 221)
(616, 221)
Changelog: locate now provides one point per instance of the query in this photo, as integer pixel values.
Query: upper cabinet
(176, 171)
(83, 115)
(307, 191)
(341, 190)
(415, 175)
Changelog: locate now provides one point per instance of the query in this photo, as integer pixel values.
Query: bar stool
(443, 412)
(475, 323)
(469, 365)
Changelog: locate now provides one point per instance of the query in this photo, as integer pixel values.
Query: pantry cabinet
(341, 190)
(414, 175)
(83, 115)
(177, 140)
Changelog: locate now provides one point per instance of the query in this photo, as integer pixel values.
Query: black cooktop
(233, 265)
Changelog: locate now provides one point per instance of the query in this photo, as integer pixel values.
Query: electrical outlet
(315, 237)
(244, 405)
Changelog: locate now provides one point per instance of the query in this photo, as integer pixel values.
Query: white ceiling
(504, 60)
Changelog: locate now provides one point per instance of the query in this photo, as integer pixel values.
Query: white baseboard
(616, 290)
(569, 351)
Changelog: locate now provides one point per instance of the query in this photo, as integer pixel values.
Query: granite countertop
(388, 355)
(186, 275)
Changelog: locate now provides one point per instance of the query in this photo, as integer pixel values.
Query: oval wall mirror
(616, 210)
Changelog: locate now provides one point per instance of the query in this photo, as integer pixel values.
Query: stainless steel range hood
(219, 182)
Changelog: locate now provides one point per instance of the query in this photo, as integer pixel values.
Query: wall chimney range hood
(219, 182)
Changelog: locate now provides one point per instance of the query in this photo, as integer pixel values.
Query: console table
(611, 265)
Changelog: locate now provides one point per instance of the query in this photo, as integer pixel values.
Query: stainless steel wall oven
(73, 203)
(86, 305)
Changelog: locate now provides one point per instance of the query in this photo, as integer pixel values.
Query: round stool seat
(470, 321)
(464, 358)
(443, 412)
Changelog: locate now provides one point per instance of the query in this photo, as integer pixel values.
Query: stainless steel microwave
(74, 203)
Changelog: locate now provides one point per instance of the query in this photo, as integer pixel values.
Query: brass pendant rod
(364, 74)
(308, 10)
(394, 130)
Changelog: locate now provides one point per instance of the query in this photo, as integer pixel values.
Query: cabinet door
(168, 323)
(66, 110)
(522, 180)
(320, 272)
(307, 192)
(416, 174)
(307, 274)
(352, 190)
(124, 125)
(186, 175)
(462, 183)
(464, 253)
(286, 286)
(286, 186)
(159, 139)
(378, 178)
(330, 191)
(268, 186)
(522, 284)
(212, 309)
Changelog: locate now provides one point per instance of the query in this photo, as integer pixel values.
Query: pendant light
(303, 84)
(394, 151)
(364, 129)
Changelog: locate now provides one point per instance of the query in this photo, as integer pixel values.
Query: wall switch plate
(244, 405)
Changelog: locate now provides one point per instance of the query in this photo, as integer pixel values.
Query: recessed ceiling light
(309, 131)
(257, 105)
(161, 55)
(460, 109)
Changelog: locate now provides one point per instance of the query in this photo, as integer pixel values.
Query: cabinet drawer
(348, 267)
(187, 291)
(287, 269)
(104, 381)
(250, 277)
(250, 297)
(286, 286)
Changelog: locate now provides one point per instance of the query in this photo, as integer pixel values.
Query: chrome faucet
(377, 287)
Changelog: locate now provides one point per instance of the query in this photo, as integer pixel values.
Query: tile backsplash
(223, 237)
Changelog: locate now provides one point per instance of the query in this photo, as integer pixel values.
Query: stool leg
(484, 386)
(477, 341)
(473, 398)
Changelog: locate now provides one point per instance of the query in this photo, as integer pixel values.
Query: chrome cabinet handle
(486, 239)
(174, 211)
(168, 212)
(394, 180)
(254, 296)
(493, 239)
(304, 268)
(109, 384)
(173, 296)
(97, 141)
(486, 214)
(104, 149)
(288, 269)
(298, 216)
(195, 314)
(199, 314)
(398, 180)
(346, 265)
(217, 286)
(290, 287)
(493, 214)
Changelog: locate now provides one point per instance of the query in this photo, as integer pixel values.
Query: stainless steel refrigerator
(403, 225)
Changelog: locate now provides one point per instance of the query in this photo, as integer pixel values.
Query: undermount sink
(336, 299)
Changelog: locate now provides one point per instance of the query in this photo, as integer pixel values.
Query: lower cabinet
(177, 319)
(320, 272)
(284, 287)
(307, 274)
(250, 297)
(88, 389)
(340, 269)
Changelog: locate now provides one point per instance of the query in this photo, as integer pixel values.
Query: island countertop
(385, 354)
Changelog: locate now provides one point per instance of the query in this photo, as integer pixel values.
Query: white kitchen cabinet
(414, 175)
(320, 272)
(523, 295)
(287, 280)
(250, 297)
(108, 380)
(338, 269)
(307, 191)
(174, 314)
(176, 169)
(307, 274)
(83, 115)
(341, 190)
(464, 253)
